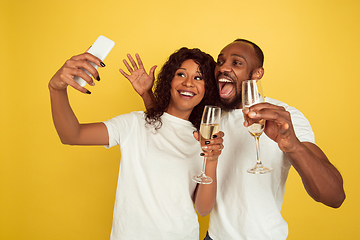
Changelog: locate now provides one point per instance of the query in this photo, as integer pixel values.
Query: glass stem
(203, 168)
(257, 143)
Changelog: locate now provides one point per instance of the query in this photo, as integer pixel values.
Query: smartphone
(101, 48)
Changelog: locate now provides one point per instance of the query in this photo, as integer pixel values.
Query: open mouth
(186, 93)
(226, 87)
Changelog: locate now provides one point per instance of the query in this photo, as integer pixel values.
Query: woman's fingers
(133, 63)
(214, 146)
(79, 68)
(124, 73)
(141, 66)
(89, 57)
(78, 65)
(67, 76)
(127, 66)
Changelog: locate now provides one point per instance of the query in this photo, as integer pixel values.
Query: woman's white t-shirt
(154, 191)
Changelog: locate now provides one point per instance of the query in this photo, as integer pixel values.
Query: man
(247, 205)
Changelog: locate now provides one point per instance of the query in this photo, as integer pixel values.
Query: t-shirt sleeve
(119, 128)
(301, 125)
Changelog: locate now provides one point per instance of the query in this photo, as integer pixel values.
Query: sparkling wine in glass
(208, 127)
(252, 94)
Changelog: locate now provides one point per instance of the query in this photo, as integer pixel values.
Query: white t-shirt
(154, 191)
(248, 205)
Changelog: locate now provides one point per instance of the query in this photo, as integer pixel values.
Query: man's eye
(237, 63)
(219, 62)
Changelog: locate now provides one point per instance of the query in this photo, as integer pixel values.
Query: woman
(154, 198)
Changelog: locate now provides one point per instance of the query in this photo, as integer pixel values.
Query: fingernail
(202, 154)
(98, 78)
(207, 142)
(92, 84)
(102, 64)
(88, 92)
(214, 136)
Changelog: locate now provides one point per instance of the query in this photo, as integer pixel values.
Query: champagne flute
(251, 95)
(208, 127)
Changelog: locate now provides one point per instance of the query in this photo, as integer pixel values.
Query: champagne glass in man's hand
(252, 94)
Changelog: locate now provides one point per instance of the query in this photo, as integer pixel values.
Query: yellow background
(52, 191)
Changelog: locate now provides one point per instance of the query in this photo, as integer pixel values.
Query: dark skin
(321, 179)
(323, 182)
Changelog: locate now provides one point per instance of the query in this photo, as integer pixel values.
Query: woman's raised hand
(74, 67)
(139, 79)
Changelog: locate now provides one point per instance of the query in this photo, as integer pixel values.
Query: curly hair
(162, 89)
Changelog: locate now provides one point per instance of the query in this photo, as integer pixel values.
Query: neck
(177, 113)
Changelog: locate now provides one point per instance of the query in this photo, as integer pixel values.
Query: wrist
(295, 148)
(52, 89)
(146, 94)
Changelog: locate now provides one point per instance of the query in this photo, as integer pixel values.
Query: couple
(155, 194)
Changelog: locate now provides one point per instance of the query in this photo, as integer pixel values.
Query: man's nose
(226, 67)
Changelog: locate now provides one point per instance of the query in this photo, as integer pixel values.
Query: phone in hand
(101, 48)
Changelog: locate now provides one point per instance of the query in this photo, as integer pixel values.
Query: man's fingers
(284, 128)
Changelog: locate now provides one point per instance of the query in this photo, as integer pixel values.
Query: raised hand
(139, 79)
(72, 67)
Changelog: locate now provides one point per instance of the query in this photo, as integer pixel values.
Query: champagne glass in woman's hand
(251, 95)
(208, 127)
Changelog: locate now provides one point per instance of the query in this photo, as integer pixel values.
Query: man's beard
(229, 105)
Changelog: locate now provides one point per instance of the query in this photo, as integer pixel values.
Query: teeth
(190, 94)
(224, 80)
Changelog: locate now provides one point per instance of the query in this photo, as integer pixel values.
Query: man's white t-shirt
(154, 191)
(248, 205)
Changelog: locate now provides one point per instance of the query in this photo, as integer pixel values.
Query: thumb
(196, 135)
(284, 128)
(152, 71)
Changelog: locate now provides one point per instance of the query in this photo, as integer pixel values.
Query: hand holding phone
(101, 48)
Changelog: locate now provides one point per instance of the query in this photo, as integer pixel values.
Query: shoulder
(288, 108)
(276, 102)
(127, 119)
(130, 116)
(301, 124)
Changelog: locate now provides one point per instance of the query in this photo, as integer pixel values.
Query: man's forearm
(321, 179)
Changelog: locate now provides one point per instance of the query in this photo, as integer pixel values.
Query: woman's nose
(189, 82)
